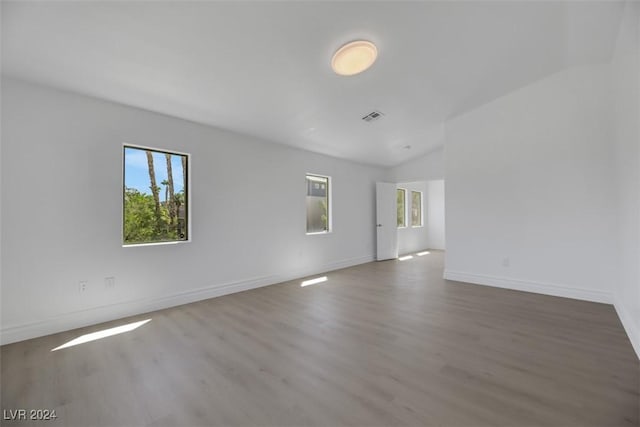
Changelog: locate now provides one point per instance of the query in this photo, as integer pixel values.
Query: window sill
(173, 242)
(319, 233)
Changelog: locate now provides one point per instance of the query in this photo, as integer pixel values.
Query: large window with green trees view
(401, 196)
(156, 199)
(318, 197)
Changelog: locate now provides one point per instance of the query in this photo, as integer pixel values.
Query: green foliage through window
(416, 209)
(317, 204)
(155, 196)
(401, 203)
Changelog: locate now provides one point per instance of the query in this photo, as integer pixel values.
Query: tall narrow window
(416, 209)
(401, 196)
(318, 209)
(155, 196)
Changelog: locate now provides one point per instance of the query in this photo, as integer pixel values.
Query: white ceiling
(263, 68)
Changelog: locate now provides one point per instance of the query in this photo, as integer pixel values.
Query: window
(155, 196)
(318, 209)
(401, 196)
(416, 209)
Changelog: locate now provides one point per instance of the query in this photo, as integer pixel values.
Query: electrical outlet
(506, 262)
(82, 286)
(110, 282)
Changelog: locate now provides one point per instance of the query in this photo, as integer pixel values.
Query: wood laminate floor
(380, 344)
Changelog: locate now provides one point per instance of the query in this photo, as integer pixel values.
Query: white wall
(62, 213)
(412, 239)
(424, 168)
(435, 214)
(626, 88)
(529, 177)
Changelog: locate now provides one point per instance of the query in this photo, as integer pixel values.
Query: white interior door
(386, 221)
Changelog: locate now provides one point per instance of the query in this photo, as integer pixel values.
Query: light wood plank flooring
(380, 344)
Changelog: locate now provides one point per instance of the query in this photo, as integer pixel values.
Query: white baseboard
(629, 325)
(530, 286)
(95, 315)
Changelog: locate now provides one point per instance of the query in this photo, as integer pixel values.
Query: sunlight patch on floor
(102, 334)
(313, 281)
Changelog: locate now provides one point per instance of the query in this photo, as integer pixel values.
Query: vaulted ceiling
(263, 68)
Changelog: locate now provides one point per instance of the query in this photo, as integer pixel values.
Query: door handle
(378, 225)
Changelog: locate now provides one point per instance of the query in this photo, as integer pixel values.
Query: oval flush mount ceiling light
(354, 57)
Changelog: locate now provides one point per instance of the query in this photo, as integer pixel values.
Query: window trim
(188, 192)
(405, 208)
(329, 229)
(421, 209)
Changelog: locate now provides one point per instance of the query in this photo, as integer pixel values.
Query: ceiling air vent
(372, 116)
